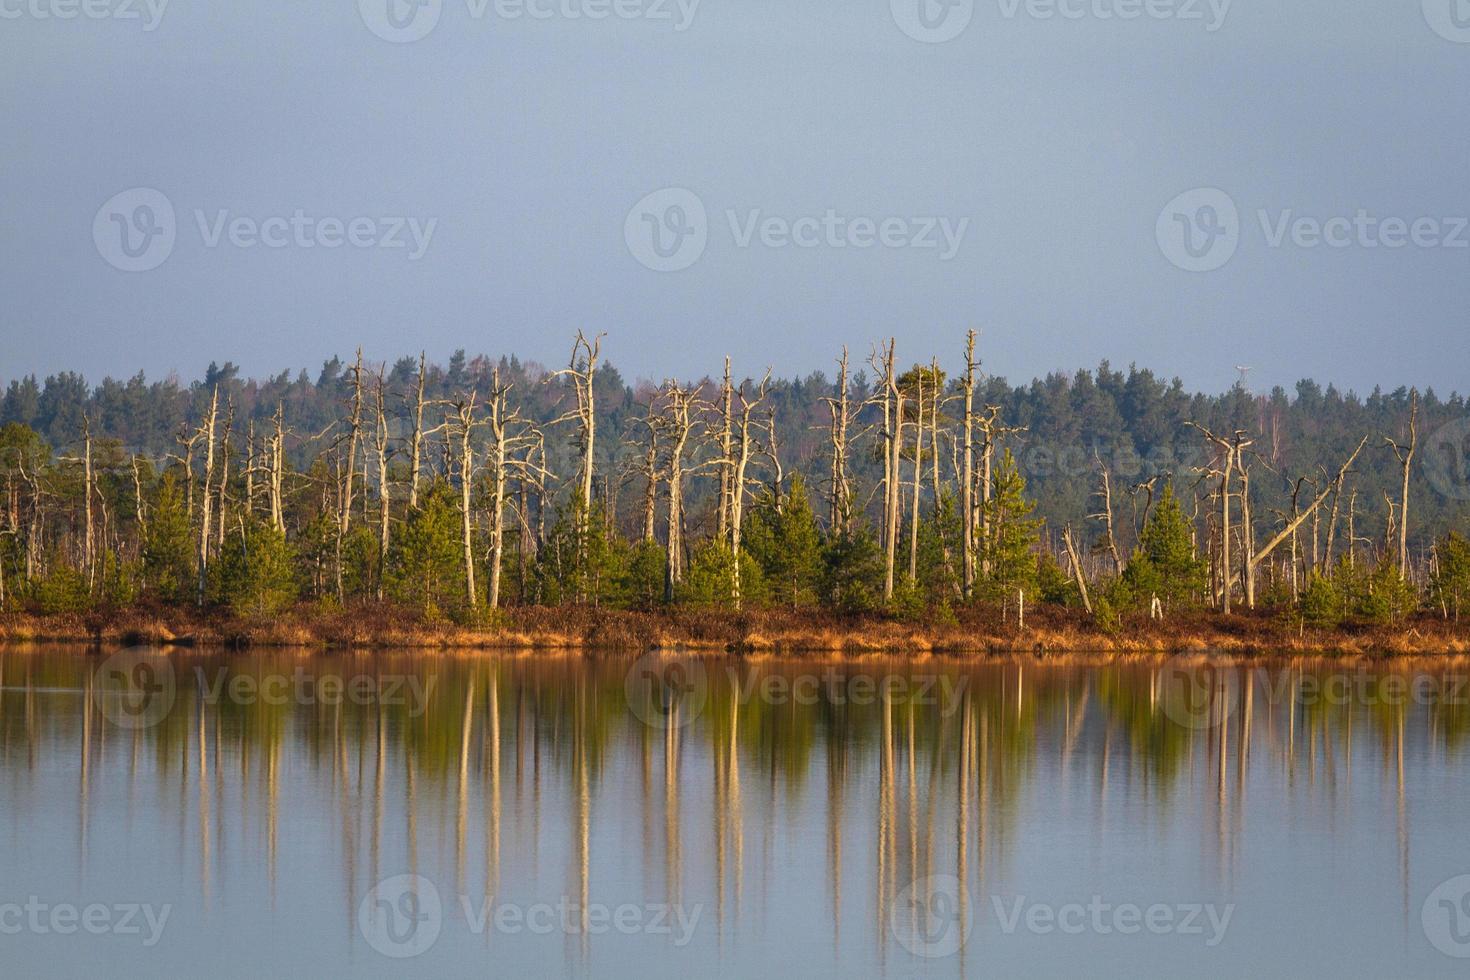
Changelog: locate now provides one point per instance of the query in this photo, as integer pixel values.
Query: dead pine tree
(277, 474)
(416, 438)
(1076, 564)
(583, 374)
(646, 465)
(510, 435)
(726, 462)
(839, 490)
(892, 399)
(1405, 455)
(204, 526)
(677, 421)
(967, 469)
(748, 405)
(1230, 448)
(459, 430)
(383, 451)
(354, 438)
(1105, 493)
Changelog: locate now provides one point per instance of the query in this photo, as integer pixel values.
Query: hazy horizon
(505, 165)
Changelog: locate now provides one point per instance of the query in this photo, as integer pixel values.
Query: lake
(255, 814)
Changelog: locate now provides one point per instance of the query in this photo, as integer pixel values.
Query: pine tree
(1009, 548)
(1165, 564)
(781, 534)
(424, 563)
(168, 548)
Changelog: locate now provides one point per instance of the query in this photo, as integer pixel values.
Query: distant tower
(1244, 376)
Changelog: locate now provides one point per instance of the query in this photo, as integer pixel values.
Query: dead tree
(726, 462)
(1105, 491)
(354, 437)
(416, 440)
(1231, 448)
(677, 421)
(583, 373)
(385, 497)
(737, 475)
(1405, 456)
(460, 427)
(509, 434)
(839, 500)
(892, 399)
(208, 479)
(1077, 575)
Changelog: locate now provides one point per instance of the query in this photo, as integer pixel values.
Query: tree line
(903, 490)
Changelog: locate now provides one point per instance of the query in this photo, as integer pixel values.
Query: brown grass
(764, 632)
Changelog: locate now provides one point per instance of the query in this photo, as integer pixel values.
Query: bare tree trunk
(464, 428)
(416, 441)
(1405, 455)
(918, 478)
(1105, 491)
(1077, 568)
(727, 461)
(676, 419)
(967, 474)
(385, 496)
(839, 502)
(224, 469)
(208, 478)
(737, 479)
(90, 549)
(344, 515)
(278, 469)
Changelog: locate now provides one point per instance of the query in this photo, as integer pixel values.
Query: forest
(924, 491)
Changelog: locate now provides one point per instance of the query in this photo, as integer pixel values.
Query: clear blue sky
(528, 140)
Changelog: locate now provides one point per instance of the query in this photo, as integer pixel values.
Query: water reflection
(794, 805)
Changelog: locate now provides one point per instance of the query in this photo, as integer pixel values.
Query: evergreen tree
(168, 547)
(852, 572)
(1450, 588)
(255, 574)
(1165, 564)
(424, 561)
(782, 536)
(1009, 549)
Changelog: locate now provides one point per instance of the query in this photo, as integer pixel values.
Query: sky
(1190, 185)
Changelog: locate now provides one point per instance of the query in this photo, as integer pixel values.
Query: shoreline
(1048, 633)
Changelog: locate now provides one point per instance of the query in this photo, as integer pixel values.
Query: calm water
(265, 814)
